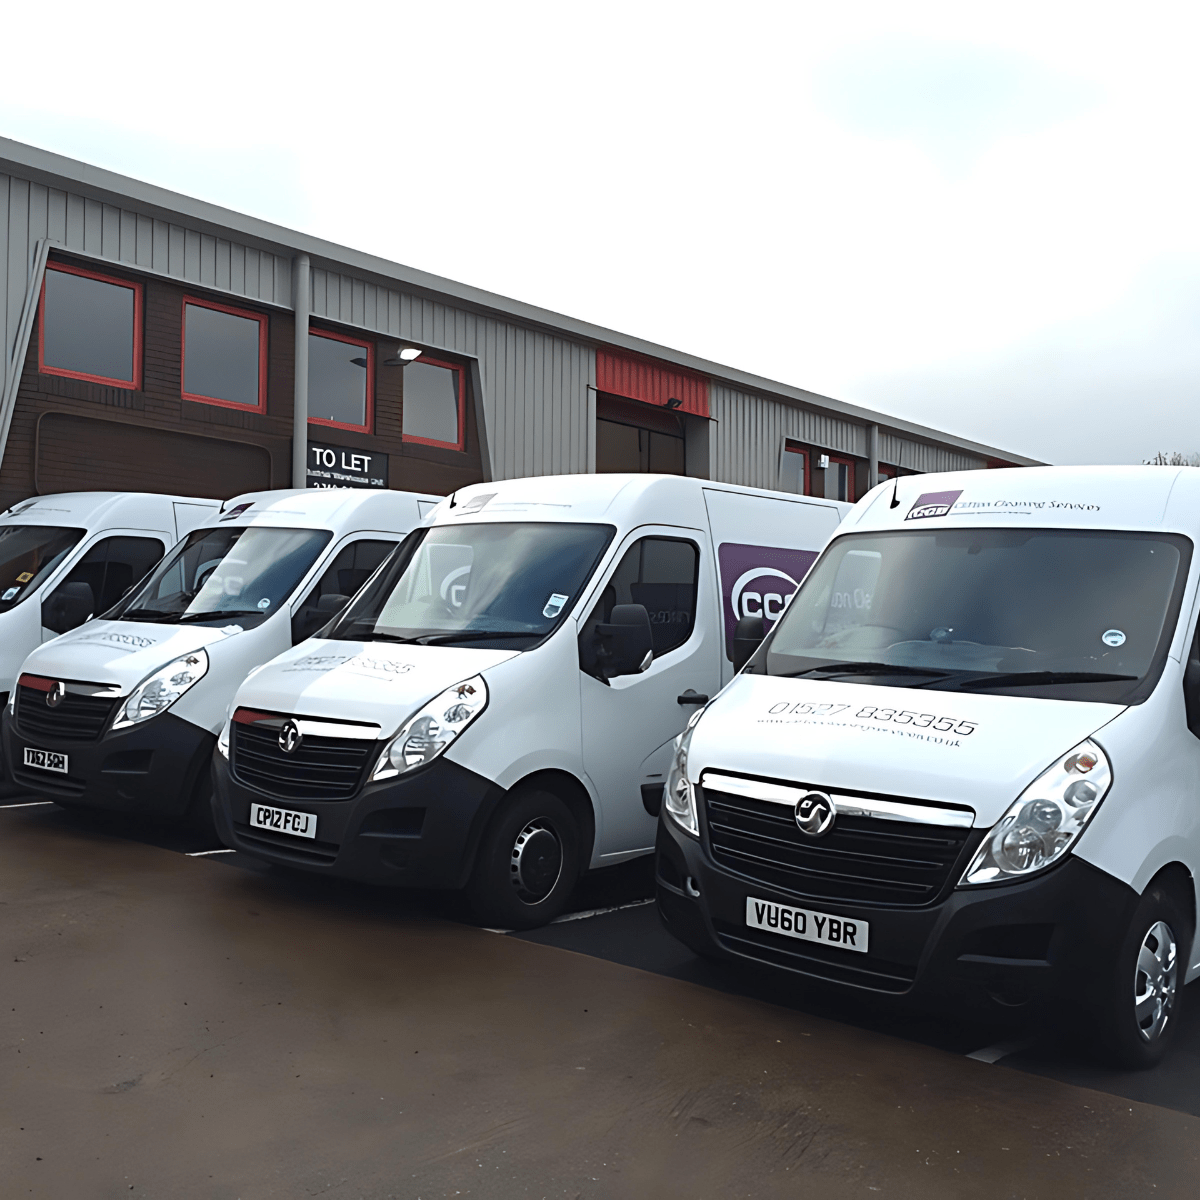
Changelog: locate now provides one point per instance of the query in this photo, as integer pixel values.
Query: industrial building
(159, 343)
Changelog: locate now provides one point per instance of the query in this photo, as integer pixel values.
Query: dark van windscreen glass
(987, 609)
(28, 553)
(220, 573)
(469, 582)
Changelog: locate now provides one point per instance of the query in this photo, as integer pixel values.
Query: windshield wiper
(1034, 678)
(147, 614)
(215, 614)
(470, 635)
(868, 668)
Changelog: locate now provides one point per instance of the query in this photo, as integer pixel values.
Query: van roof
(1112, 497)
(616, 498)
(89, 509)
(368, 508)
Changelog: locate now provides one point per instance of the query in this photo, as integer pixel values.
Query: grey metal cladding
(750, 428)
(919, 456)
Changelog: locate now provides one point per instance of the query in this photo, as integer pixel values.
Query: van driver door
(629, 723)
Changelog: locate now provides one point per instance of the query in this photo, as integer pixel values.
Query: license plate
(283, 820)
(46, 760)
(807, 925)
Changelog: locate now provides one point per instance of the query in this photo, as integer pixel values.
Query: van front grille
(320, 768)
(861, 859)
(75, 718)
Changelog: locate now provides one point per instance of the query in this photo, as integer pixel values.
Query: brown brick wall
(70, 435)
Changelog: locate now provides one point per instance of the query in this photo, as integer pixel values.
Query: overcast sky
(984, 217)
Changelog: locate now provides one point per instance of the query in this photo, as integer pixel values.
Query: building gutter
(301, 304)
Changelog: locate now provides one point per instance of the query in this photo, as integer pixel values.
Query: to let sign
(338, 467)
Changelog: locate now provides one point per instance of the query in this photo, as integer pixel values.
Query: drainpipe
(10, 366)
(872, 455)
(302, 299)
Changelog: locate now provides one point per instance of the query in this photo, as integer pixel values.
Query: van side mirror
(68, 607)
(747, 637)
(1191, 694)
(310, 618)
(626, 643)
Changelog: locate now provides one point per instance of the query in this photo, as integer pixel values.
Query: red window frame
(848, 463)
(261, 318)
(369, 347)
(791, 447)
(134, 385)
(430, 361)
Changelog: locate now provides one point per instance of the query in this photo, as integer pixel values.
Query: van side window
(99, 579)
(350, 569)
(660, 574)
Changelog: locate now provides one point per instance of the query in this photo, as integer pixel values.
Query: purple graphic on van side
(932, 504)
(758, 581)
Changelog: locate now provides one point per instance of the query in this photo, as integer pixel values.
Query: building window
(224, 355)
(793, 468)
(341, 380)
(91, 327)
(839, 479)
(638, 437)
(434, 403)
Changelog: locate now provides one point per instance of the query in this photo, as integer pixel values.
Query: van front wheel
(1141, 999)
(527, 864)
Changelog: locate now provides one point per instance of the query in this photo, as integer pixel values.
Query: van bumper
(421, 830)
(148, 769)
(1001, 946)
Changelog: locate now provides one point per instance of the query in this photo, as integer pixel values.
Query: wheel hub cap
(537, 861)
(1155, 981)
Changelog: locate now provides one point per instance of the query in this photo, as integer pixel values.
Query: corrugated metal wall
(535, 384)
(750, 429)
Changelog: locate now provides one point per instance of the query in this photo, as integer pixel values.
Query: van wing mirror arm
(1191, 694)
(747, 637)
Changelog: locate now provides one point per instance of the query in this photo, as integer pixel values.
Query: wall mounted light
(407, 354)
(823, 462)
(674, 402)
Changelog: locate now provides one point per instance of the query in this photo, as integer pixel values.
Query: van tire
(1151, 961)
(528, 862)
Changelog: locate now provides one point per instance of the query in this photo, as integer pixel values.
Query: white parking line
(203, 853)
(584, 915)
(992, 1054)
(599, 912)
(28, 804)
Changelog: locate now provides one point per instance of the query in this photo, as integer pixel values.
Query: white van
(65, 558)
(966, 762)
(497, 707)
(122, 713)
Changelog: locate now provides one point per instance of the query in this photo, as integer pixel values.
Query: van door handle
(690, 697)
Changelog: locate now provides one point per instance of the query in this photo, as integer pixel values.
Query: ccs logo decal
(758, 581)
(932, 504)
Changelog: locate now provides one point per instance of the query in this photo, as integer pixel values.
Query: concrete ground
(172, 1027)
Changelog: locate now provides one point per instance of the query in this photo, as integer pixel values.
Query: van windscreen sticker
(554, 605)
(758, 581)
(932, 504)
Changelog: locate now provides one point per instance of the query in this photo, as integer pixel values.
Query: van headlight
(679, 797)
(430, 730)
(1046, 819)
(156, 693)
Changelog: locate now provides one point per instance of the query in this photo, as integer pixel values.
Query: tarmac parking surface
(179, 1020)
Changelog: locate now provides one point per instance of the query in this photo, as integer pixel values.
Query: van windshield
(1070, 614)
(219, 574)
(28, 553)
(509, 584)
